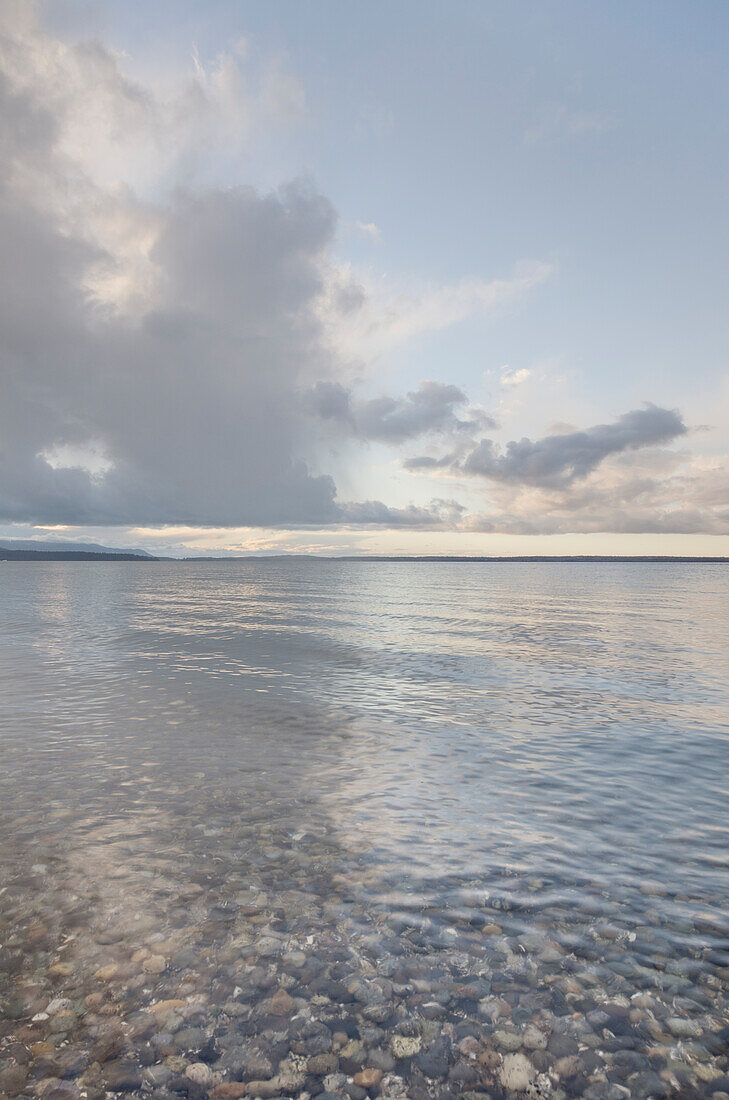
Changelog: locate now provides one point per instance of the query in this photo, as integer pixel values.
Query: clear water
(497, 781)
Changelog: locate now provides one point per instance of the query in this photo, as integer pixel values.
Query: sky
(340, 277)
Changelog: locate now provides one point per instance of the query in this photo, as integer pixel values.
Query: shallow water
(471, 818)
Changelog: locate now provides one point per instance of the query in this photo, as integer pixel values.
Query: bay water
(419, 829)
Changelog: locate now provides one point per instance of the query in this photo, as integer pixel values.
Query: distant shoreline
(435, 559)
(72, 555)
(465, 559)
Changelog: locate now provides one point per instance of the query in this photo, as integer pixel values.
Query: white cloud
(512, 378)
(387, 316)
(91, 458)
(368, 229)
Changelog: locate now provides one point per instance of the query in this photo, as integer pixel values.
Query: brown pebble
(229, 1090)
(569, 1066)
(264, 1089)
(106, 973)
(167, 947)
(281, 1004)
(368, 1078)
(178, 1063)
(41, 1048)
(155, 964)
(12, 1080)
(26, 1034)
(108, 1046)
(162, 1007)
(61, 970)
(489, 1058)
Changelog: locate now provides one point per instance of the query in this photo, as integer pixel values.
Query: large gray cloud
(155, 353)
(430, 409)
(195, 405)
(559, 460)
(191, 396)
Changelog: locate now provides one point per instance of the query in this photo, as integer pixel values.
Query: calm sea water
(522, 764)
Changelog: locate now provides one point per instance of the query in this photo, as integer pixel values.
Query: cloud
(157, 331)
(387, 316)
(429, 462)
(655, 491)
(513, 378)
(127, 133)
(430, 409)
(179, 405)
(90, 458)
(440, 513)
(172, 351)
(559, 460)
(617, 477)
(368, 229)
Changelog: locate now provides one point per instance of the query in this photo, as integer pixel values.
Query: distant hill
(51, 545)
(62, 550)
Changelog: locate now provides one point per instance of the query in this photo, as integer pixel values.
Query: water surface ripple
(348, 828)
